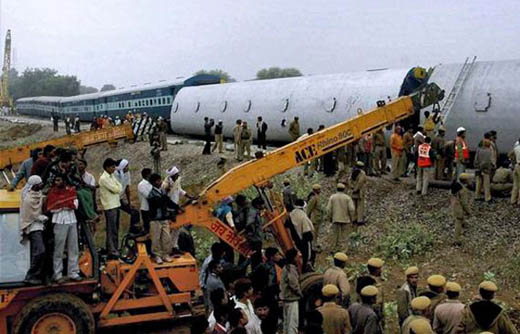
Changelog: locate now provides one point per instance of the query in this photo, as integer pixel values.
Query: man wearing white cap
(31, 227)
(172, 186)
(122, 174)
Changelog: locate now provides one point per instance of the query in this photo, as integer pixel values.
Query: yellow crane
(5, 99)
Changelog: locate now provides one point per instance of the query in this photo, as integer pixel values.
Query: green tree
(277, 72)
(224, 76)
(87, 90)
(42, 82)
(107, 87)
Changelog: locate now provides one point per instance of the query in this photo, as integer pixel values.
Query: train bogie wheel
(311, 284)
(59, 313)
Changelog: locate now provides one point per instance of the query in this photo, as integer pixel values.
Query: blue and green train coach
(154, 99)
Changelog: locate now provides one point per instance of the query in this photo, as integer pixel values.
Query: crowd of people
(262, 294)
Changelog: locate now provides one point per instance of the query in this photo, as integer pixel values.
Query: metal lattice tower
(5, 99)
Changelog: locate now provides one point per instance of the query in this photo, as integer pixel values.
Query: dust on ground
(398, 221)
(14, 134)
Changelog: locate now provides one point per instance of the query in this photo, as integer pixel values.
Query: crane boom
(5, 99)
(258, 172)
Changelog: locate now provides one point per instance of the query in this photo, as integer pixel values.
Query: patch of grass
(404, 241)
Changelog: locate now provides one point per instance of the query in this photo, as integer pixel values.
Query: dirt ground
(403, 228)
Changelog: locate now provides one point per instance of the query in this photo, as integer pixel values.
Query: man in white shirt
(109, 195)
(243, 293)
(172, 186)
(122, 174)
(143, 189)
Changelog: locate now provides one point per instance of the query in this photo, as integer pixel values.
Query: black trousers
(262, 140)
(207, 146)
(145, 215)
(112, 224)
(37, 255)
(134, 217)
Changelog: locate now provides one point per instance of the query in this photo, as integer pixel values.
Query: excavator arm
(260, 171)
(16, 155)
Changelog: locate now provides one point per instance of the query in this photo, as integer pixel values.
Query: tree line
(47, 81)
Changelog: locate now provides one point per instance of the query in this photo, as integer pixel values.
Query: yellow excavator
(116, 293)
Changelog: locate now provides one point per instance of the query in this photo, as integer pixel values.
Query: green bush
(403, 241)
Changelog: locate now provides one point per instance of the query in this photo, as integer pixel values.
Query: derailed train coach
(154, 99)
(485, 101)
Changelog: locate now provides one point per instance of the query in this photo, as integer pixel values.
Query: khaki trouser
(359, 204)
(460, 168)
(380, 159)
(290, 317)
(164, 142)
(423, 179)
(483, 179)
(515, 194)
(161, 240)
(439, 169)
(397, 163)
(459, 223)
(219, 142)
(236, 147)
(339, 230)
(245, 146)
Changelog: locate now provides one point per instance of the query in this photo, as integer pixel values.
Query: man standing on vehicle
(109, 194)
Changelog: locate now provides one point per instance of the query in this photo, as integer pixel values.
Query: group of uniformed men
(437, 309)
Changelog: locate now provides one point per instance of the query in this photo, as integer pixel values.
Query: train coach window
(331, 105)
(176, 107)
(169, 100)
(197, 106)
(248, 106)
(285, 105)
(223, 106)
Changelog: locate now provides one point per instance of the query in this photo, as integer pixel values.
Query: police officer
(436, 293)
(485, 315)
(336, 319)
(294, 129)
(460, 205)
(362, 315)
(245, 142)
(420, 307)
(358, 186)
(438, 144)
(341, 211)
(375, 271)
(315, 208)
(336, 275)
(448, 315)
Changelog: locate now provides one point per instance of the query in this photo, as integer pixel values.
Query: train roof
(179, 81)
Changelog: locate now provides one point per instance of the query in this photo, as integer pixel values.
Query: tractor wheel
(58, 313)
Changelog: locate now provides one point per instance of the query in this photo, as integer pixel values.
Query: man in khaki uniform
(336, 319)
(460, 205)
(438, 144)
(340, 209)
(162, 127)
(421, 326)
(485, 315)
(315, 209)
(448, 315)
(420, 306)
(219, 137)
(336, 275)
(236, 137)
(294, 129)
(406, 293)
(245, 142)
(362, 315)
(380, 152)
(358, 186)
(484, 164)
(375, 271)
(436, 293)
(515, 194)
(502, 182)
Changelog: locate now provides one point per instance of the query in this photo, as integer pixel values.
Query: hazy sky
(128, 42)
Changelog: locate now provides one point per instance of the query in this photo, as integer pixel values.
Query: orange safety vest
(424, 156)
(465, 149)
